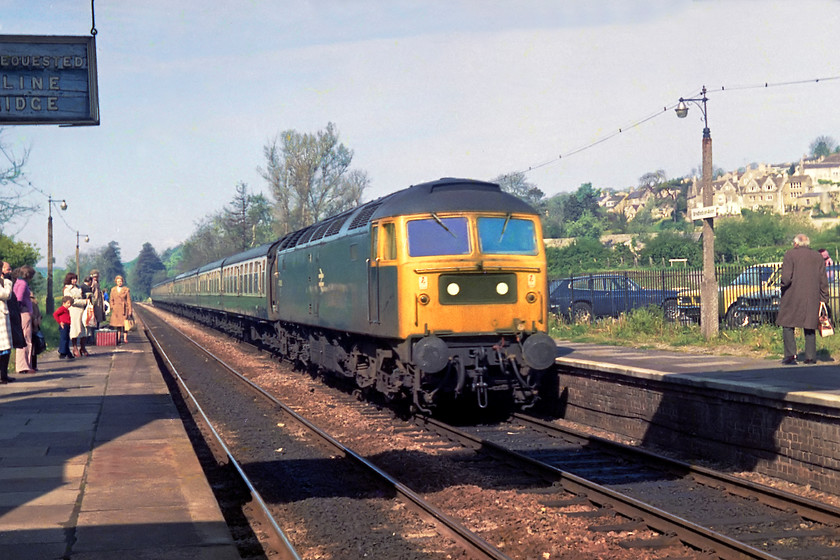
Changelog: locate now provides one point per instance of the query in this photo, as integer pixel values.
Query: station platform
(753, 415)
(95, 464)
(808, 384)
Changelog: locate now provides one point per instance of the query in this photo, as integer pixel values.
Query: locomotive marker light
(708, 286)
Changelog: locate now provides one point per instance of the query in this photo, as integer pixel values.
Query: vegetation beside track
(647, 329)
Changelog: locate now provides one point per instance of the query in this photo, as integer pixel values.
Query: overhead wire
(651, 116)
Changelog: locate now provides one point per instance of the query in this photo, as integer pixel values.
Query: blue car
(590, 296)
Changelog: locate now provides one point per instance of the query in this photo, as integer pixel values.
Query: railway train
(437, 291)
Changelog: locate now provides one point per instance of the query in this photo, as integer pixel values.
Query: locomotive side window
(438, 236)
(389, 242)
(507, 236)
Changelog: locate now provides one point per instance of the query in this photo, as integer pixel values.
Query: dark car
(582, 298)
(762, 307)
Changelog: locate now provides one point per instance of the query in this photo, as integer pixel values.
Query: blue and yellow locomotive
(438, 290)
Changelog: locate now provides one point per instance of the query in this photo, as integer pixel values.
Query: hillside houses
(783, 188)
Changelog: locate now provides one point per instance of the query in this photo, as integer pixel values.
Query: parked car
(762, 307)
(761, 279)
(582, 298)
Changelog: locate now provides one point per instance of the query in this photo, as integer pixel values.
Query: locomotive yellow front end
(472, 293)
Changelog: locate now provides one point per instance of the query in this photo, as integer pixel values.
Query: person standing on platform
(98, 299)
(62, 317)
(804, 286)
(78, 332)
(121, 308)
(5, 329)
(23, 356)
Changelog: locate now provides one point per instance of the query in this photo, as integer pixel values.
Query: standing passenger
(5, 330)
(23, 357)
(97, 300)
(121, 309)
(78, 332)
(804, 285)
(62, 317)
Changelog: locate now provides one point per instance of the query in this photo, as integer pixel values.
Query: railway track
(344, 505)
(648, 505)
(705, 509)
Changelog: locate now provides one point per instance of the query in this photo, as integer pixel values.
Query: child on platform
(62, 317)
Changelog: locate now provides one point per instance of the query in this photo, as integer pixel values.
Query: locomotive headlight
(531, 297)
(453, 289)
(502, 288)
(424, 299)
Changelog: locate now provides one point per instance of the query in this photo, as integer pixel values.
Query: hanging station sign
(48, 80)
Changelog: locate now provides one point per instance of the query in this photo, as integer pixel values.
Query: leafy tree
(669, 245)
(241, 225)
(585, 198)
(743, 236)
(109, 263)
(516, 184)
(310, 177)
(587, 225)
(583, 254)
(247, 220)
(822, 146)
(12, 184)
(18, 253)
(148, 269)
(653, 179)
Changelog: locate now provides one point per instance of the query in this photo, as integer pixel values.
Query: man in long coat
(804, 285)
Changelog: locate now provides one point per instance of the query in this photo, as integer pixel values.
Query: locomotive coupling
(539, 351)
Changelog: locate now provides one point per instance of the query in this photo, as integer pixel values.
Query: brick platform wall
(795, 442)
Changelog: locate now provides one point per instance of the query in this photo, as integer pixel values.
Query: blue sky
(190, 91)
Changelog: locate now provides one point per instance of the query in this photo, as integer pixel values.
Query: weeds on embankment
(647, 328)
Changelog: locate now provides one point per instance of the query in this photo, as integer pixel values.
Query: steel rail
(687, 532)
(474, 546)
(278, 538)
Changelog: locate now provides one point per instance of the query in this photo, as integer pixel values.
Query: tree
(669, 245)
(18, 253)
(109, 263)
(822, 146)
(585, 198)
(12, 182)
(148, 269)
(653, 179)
(310, 178)
(516, 184)
(247, 220)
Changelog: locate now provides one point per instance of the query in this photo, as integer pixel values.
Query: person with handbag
(122, 313)
(6, 292)
(804, 287)
(78, 331)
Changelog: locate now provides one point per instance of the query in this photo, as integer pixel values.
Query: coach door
(373, 276)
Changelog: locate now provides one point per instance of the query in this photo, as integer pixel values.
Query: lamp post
(87, 239)
(709, 286)
(50, 303)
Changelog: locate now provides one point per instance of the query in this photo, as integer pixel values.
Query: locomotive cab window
(507, 236)
(438, 236)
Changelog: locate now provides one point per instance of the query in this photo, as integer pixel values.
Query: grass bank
(647, 328)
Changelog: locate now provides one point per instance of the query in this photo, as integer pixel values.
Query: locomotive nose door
(373, 276)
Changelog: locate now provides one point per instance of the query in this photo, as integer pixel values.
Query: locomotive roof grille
(319, 233)
(363, 217)
(335, 225)
(307, 233)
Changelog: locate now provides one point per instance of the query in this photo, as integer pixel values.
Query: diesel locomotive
(437, 291)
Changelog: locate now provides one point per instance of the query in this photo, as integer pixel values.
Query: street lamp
(87, 239)
(50, 303)
(709, 286)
